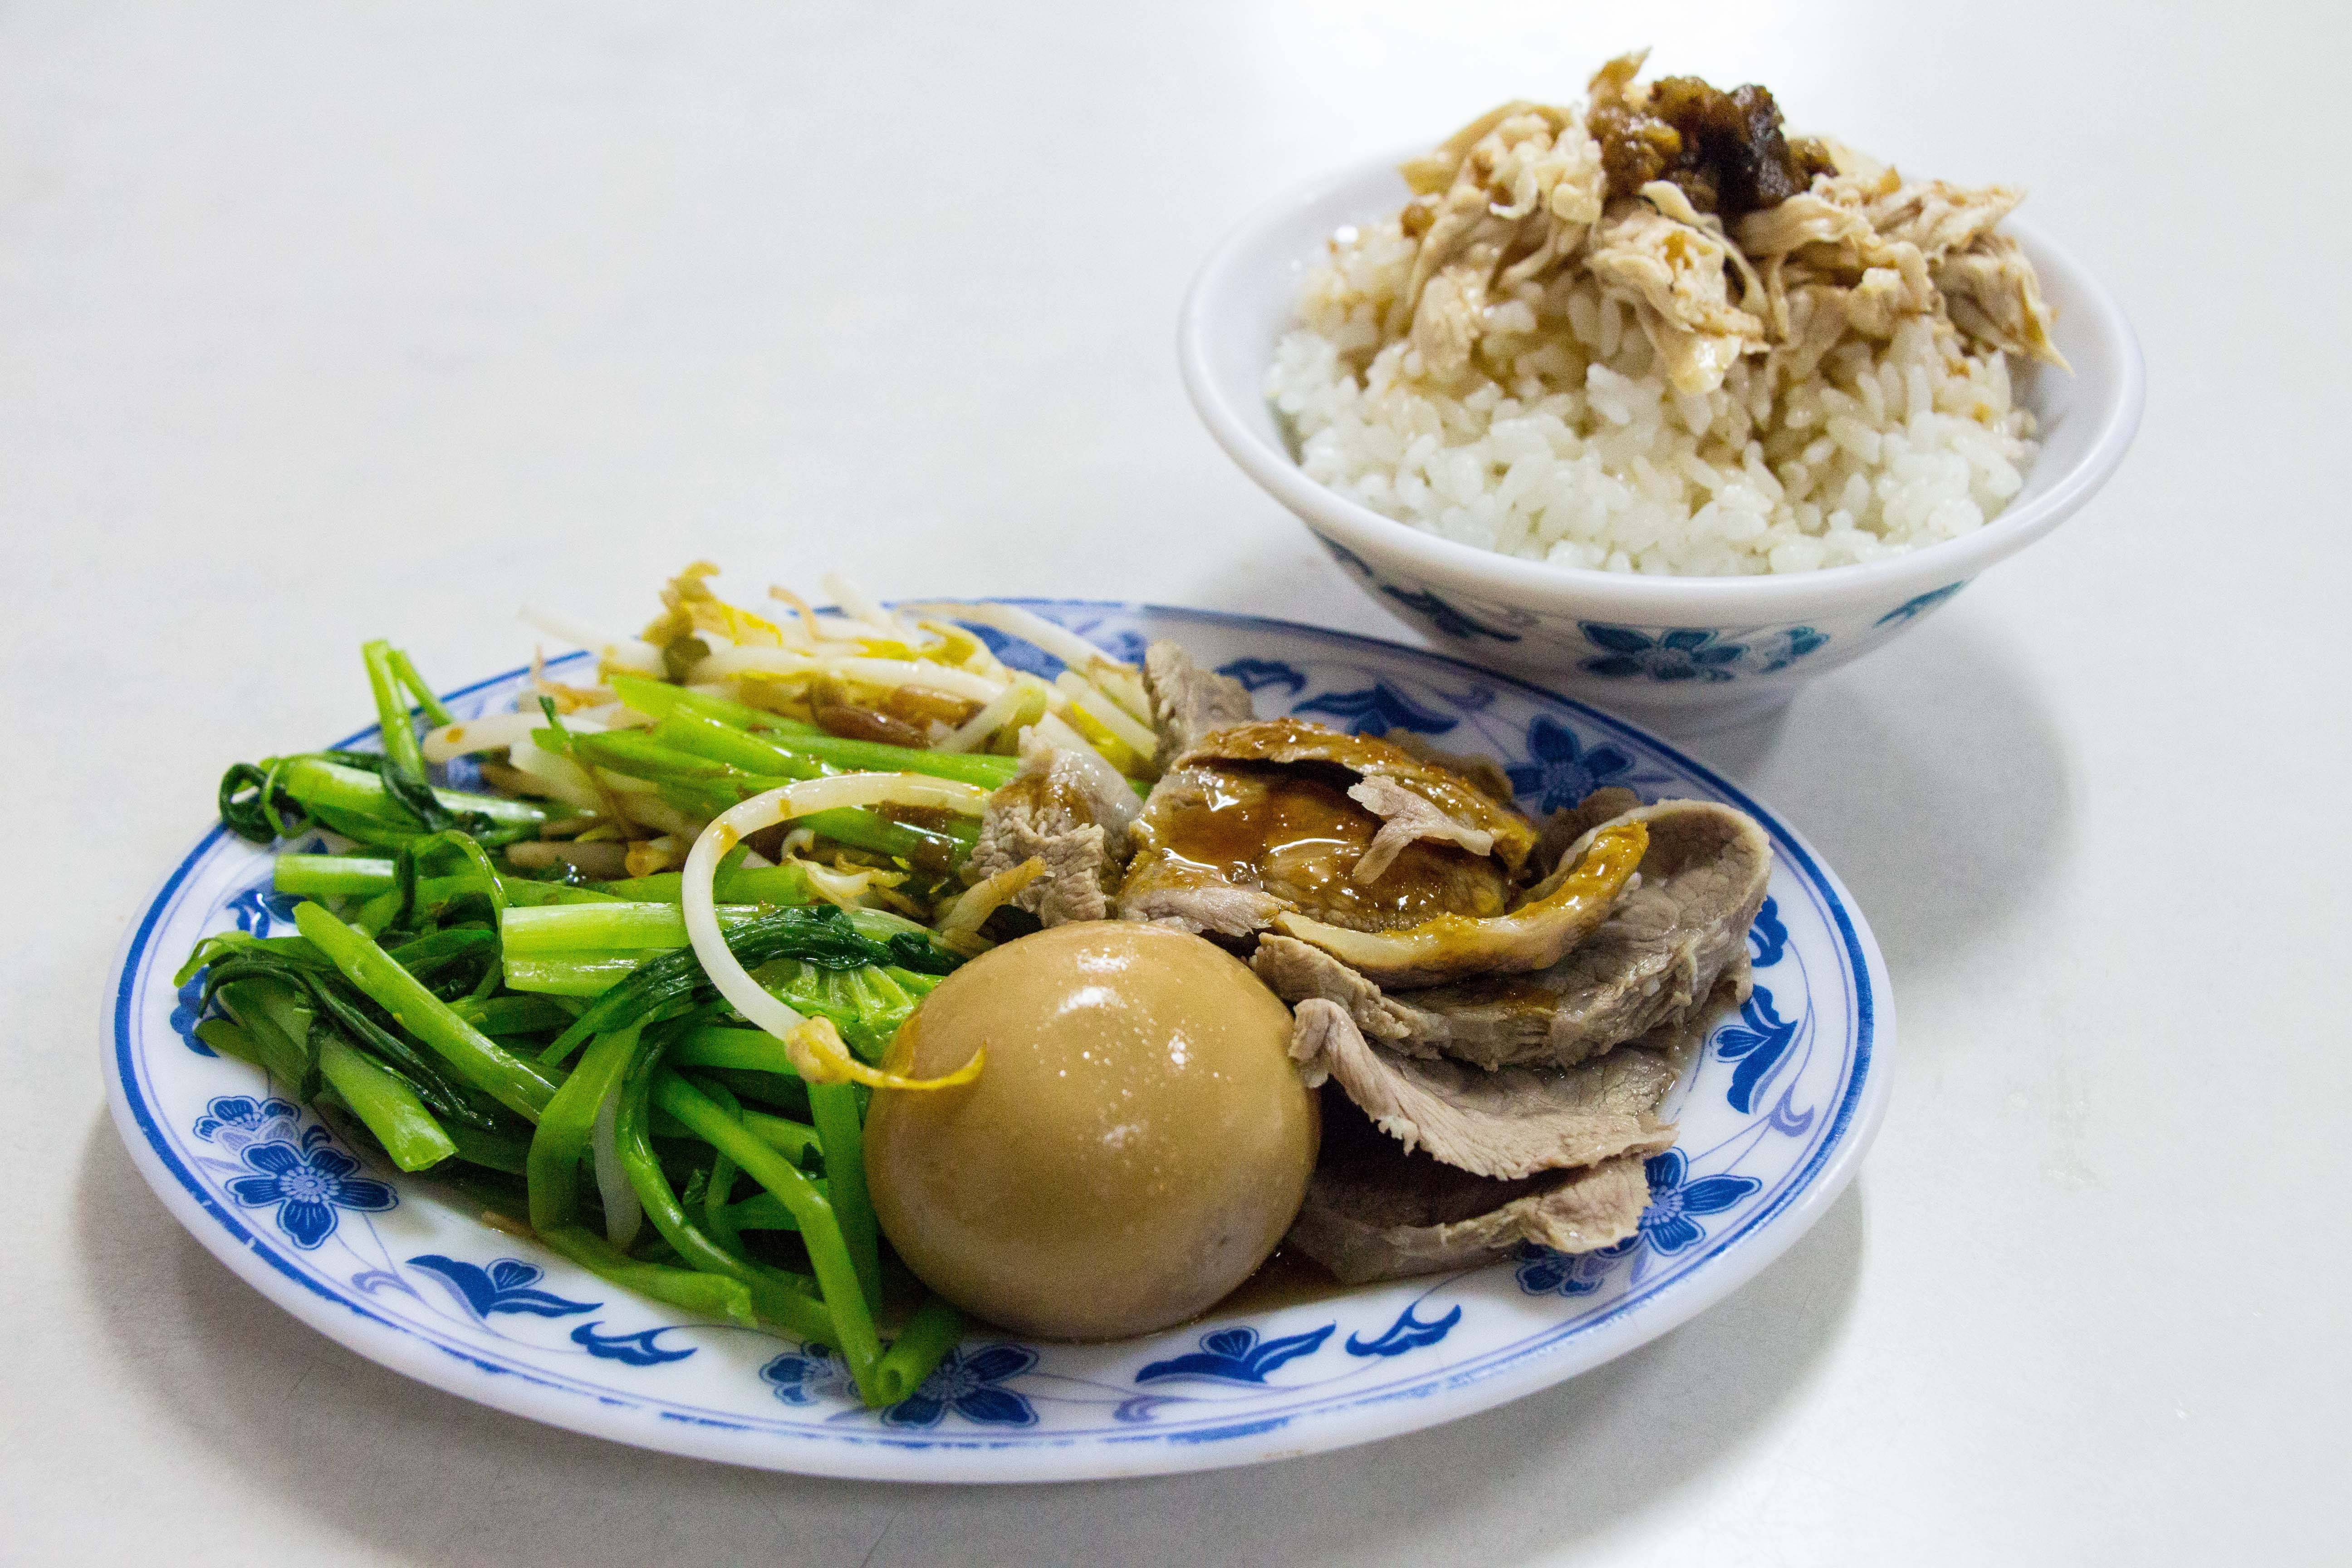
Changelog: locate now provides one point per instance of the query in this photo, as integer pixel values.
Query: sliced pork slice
(1505, 1124)
(1052, 811)
(1564, 827)
(1260, 820)
(1189, 703)
(1300, 744)
(1300, 973)
(1520, 1020)
(1560, 913)
(1655, 965)
(1200, 902)
(1374, 1212)
(1482, 772)
(1406, 818)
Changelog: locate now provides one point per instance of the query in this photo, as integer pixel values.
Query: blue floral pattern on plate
(1768, 938)
(306, 1183)
(422, 1285)
(1409, 1332)
(1669, 1225)
(234, 1121)
(1375, 710)
(810, 1375)
(1756, 1043)
(1264, 674)
(187, 1012)
(262, 909)
(508, 1285)
(970, 1384)
(1543, 1272)
(640, 1349)
(1236, 1355)
(1560, 770)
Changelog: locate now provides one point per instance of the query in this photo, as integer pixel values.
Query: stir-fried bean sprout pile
(623, 966)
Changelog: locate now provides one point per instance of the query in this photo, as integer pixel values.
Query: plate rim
(1444, 1396)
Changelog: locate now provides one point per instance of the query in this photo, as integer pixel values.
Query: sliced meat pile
(1651, 963)
(1497, 1010)
(1518, 1106)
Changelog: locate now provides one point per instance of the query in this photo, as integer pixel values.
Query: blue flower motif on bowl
(1448, 620)
(1912, 609)
(1706, 655)
(809, 1375)
(306, 1182)
(967, 1382)
(1678, 653)
(1563, 771)
(234, 1121)
(1236, 1355)
(1346, 557)
(1787, 647)
(1667, 1226)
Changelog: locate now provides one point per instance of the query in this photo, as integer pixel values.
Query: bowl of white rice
(1572, 510)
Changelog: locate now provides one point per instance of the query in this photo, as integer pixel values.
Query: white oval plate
(1775, 1115)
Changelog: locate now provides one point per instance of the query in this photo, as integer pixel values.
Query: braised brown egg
(1136, 1143)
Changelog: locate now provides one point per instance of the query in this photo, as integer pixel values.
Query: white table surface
(319, 322)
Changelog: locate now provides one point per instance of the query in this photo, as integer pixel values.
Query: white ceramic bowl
(1686, 653)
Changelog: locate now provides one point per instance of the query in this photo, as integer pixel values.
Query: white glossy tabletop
(320, 323)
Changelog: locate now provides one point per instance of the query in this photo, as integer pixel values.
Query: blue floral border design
(1912, 609)
(1701, 654)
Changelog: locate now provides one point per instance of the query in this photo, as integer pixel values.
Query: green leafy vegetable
(434, 992)
(819, 934)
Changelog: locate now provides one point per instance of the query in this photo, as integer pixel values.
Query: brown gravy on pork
(1296, 833)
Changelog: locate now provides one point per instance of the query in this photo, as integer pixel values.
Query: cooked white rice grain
(1567, 443)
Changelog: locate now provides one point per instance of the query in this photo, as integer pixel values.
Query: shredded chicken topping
(1727, 239)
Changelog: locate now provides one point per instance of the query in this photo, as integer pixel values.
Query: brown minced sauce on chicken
(1724, 150)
